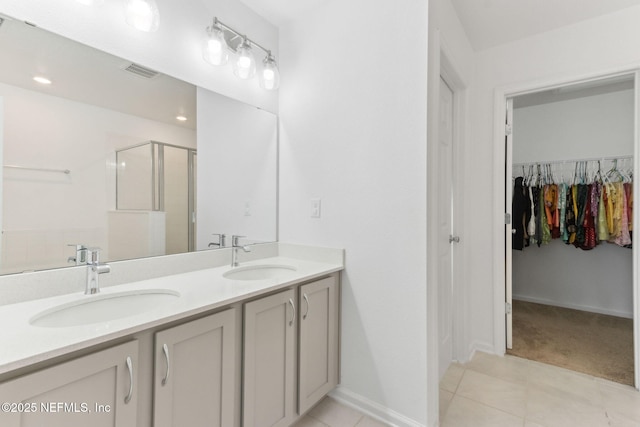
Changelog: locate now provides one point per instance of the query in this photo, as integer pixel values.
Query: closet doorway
(569, 262)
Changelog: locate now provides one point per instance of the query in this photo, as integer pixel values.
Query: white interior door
(445, 227)
(508, 229)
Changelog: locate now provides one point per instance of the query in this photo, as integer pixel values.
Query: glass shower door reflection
(157, 177)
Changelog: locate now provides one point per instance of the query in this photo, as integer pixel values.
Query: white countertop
(24, 344)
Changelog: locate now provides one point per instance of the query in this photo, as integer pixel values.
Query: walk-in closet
(571, 262)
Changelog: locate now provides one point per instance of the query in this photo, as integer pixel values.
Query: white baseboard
(574, 306)
(372, 409)
(483, 347)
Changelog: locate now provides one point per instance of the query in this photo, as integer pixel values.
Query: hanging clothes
(551, 209)
(623, 238)
(588, 224)
(545, 231)
(521, 211)
(603, 229)
(596, 208)
(531, 225)
(562, 201)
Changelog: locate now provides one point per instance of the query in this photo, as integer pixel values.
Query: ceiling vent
(141, 71)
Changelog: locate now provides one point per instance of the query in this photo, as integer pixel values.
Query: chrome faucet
(81, 255)
(234, 250)
(222, 240)
(94, 268)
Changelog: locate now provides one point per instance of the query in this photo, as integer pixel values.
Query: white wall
(592, 47)
(586, 127)
(45, 211)
(353, 133)
(238, 172)
(599, 280)
(175, 49)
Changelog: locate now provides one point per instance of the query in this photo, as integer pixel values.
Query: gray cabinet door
(269, 365)
(194, 379)
(318, 363)
(97, 390)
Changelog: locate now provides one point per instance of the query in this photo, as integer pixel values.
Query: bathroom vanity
(251, 345)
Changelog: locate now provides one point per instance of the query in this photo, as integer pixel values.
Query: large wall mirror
(113, 155)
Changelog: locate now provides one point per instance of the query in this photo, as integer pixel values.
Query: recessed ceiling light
(42, 80)
(181, 118)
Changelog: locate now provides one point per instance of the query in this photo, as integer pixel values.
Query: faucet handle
(81, 254)
(222, 238)
(93, 255)
(234, 240)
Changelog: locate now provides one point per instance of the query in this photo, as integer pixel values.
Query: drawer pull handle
(127, 399)
(294, 312)
(165, 350)
(306, 299)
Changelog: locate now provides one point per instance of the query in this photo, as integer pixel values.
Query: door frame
(443, 63)
(458, 311)
(500, 102)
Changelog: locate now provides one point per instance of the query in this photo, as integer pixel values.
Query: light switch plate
(315, 208)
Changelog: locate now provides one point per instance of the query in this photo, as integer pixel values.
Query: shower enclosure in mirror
(106, 106)
(155, 201)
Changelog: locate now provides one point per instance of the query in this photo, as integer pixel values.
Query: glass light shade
(142, 15)
(269, 76)
(244, 67)
(214, 48)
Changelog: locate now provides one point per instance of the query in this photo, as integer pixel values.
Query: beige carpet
(595, 344)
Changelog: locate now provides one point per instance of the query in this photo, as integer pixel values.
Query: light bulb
(42, 80)
(142, 15)
(245, 65)
(270, 76)
(214, 49)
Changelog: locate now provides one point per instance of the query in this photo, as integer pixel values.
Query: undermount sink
(260, 272)
(103, 308)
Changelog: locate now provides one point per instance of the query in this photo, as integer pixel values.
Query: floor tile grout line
(488, 406)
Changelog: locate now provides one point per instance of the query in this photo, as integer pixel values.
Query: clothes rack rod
(559, 162)
(65, 171)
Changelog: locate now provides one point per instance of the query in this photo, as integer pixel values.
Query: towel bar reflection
(64, 171)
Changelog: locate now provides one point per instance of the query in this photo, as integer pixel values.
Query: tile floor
(330, 413)
(493, 391)
(510, 391)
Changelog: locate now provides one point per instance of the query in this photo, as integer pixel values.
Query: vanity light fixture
(270, 76)
(142, 15)
(42, 80)
(181, 118)
(215, 50)
(244, 67)
(221, 38)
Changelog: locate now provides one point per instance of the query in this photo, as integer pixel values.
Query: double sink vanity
(256, 344)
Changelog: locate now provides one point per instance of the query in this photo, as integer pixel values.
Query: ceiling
(280, 11)
(84, 74)
(490, 23)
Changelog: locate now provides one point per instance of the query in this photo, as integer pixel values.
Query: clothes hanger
(614, 173)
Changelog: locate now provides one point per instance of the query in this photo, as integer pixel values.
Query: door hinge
(508, 129)
(507, 308)
(507, 218)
